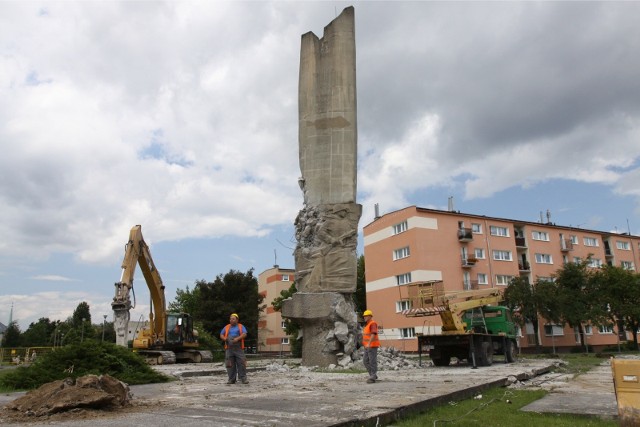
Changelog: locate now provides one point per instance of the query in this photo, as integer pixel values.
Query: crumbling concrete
(89, 391)
(327, 226)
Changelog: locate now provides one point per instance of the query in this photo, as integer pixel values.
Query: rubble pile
(87, 392)
(389, 359)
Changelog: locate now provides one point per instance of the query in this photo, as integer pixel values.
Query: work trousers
(236, 363)
(370, 360)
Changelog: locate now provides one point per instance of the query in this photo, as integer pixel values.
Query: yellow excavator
(168, 337)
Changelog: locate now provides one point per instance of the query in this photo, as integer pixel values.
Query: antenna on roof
(450, 204)
(275, 259)
(376, 209)
(548, 216)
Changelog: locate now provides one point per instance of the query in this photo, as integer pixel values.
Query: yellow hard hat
(367, 313)
(235, 315)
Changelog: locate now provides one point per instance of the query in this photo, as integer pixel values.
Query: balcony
(470, 285)
(465, 234)
(566, 245)
(469, 262)
(524, 266)
(521, 242)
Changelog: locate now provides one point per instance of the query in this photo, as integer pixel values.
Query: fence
(20, 355)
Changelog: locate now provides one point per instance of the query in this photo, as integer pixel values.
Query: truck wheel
(486, 354)
(510, 351)
(443, 360)
(197, 357)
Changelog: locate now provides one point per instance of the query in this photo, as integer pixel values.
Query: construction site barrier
(21, 355)
(626, 381)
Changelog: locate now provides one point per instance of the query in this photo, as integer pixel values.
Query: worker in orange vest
(370, 342)
(233, 336)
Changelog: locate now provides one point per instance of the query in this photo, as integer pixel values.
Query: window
(401, 253)
(540, 235)
(595, 262)
(403, 279)
(588, 330)
(553, 330)
(627, 265)
(284, 341)
(285, 277)
(574, 239)
(502, 255)
(577, 260)
(625, 246)
(403, 305)
(605, 329)
(476, 228)
(479, 253)
(543, 259)
(590, 241)
(283, 324)
(482, 279)
(499, 231)
(407, 332)
(545, 279)
(399, 228)
(503, 280)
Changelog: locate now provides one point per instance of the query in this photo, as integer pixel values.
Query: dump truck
(168, 337)
(474, 327)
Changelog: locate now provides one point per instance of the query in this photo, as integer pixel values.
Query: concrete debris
(89, 391)
(389, 359)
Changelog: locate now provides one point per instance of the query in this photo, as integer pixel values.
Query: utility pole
(103, 325)
(82, 333)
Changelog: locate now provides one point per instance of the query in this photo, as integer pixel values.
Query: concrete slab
(591, 393)
(301, 397)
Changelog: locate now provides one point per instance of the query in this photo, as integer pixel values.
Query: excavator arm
(137, 252)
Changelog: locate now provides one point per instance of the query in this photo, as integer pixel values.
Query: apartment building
(271, 335)
(468, 251)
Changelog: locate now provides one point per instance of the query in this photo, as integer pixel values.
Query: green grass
(494, 409)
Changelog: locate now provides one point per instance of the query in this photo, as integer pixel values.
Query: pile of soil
(87, 393)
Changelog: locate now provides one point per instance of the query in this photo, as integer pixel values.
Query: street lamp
(103, 324)
(82, 334)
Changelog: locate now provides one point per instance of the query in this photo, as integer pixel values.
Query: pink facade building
(272, 337)
(468, 251)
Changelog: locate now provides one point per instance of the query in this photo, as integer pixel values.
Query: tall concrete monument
(327, 226)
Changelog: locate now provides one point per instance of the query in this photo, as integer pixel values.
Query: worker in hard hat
(370, 342)
(233, 336)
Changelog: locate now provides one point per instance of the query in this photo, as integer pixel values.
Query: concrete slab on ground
(591, 393)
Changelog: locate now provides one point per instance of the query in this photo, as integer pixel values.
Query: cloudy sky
(182, 117)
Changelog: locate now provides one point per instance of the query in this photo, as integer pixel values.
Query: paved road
(304, 398)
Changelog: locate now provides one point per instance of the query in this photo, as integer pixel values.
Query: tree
(619, 292)
(81, 313)
(39, 334)
(360, 297)
(234, 292)
(186, 301)
(12, 336)
(520, 297)
(576, 297)
(291, 327)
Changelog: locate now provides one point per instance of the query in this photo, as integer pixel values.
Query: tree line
(578, 295)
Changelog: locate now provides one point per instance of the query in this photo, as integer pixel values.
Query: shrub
(76, 360)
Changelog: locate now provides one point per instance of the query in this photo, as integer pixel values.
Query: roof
(516, 221)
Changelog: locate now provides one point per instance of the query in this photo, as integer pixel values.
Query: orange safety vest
(226, 334)
(367, 334)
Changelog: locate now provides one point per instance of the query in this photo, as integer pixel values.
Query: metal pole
(82, 334)
(103, 325)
